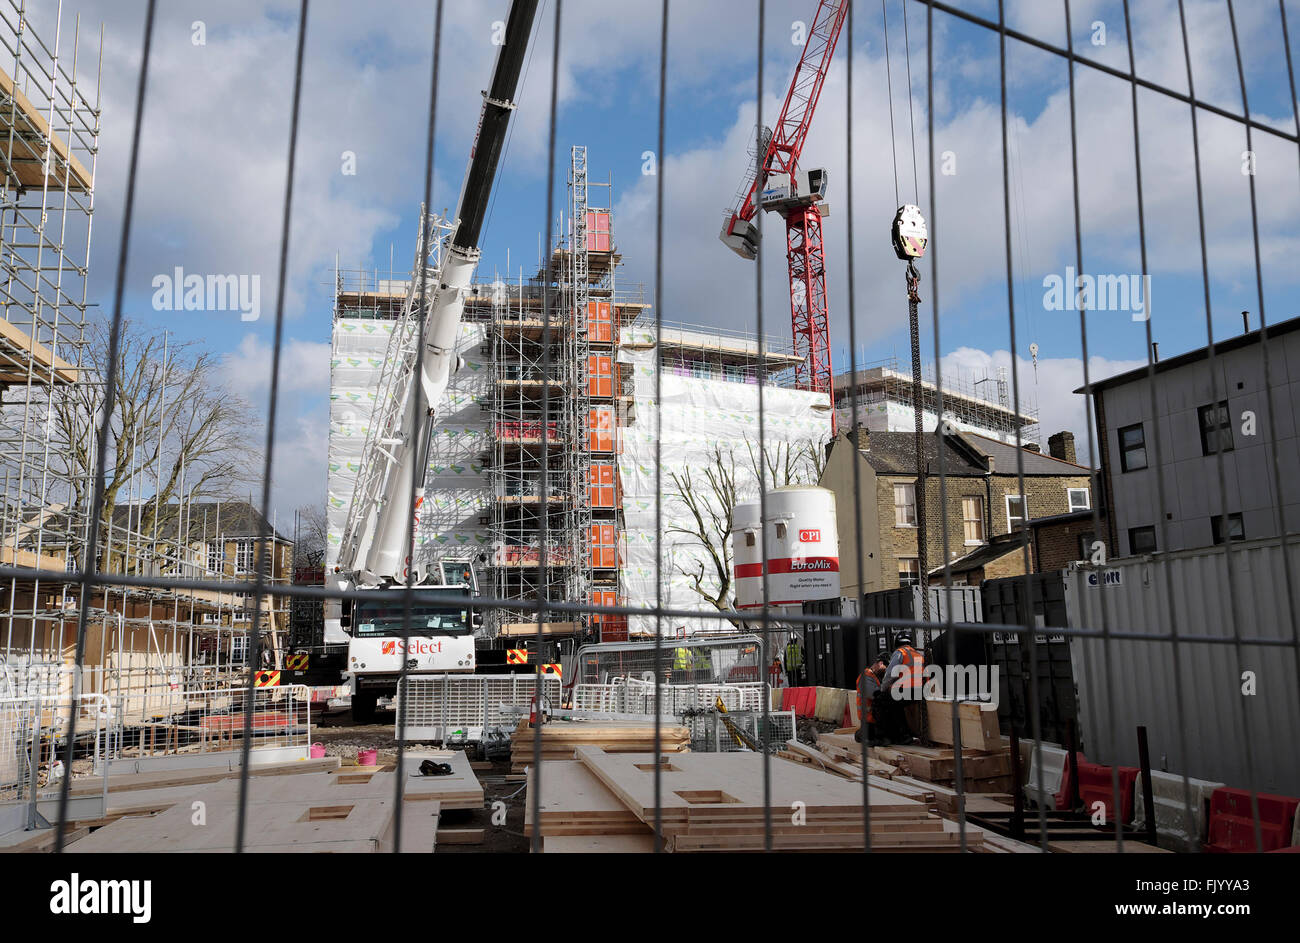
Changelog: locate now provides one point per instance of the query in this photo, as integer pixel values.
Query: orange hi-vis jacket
(913, 663)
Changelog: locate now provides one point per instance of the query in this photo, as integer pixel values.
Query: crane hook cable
(889, 85)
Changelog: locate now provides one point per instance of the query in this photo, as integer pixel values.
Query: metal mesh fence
(1196, 651)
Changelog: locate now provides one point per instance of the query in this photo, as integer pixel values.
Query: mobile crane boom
(373, 550)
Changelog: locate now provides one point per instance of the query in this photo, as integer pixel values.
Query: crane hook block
(910, 236)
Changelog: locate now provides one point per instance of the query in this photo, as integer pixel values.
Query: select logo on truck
(417, 646)
(807, 564)
(810, 536)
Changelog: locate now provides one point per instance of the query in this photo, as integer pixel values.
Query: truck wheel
(363, 707)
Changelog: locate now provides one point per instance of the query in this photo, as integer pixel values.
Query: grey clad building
(1204, 405)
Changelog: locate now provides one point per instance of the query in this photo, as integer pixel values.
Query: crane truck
(433, 632)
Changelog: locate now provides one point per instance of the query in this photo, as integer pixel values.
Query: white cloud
(1051, 386)
(304, 368)
(704, 282)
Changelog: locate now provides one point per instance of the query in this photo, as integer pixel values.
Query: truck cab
(438, 639)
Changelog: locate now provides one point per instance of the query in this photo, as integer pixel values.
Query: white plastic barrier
(1054, 759)
(1171, 813)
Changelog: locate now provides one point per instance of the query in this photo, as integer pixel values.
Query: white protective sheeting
(697, 414)
(457, 493)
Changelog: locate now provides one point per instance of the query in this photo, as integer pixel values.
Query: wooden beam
(19, 115)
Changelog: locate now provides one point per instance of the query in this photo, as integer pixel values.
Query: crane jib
(494, 120)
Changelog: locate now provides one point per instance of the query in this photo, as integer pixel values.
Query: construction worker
(794, 661)
(703, 666)
(902, 690)
(683, 662)
(868, 687)
(774, 672)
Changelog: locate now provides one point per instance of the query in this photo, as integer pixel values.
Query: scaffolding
(581, 395)
(980, 403)
(148, 651)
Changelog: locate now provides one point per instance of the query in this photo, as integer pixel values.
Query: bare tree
(709, 496)
(177, 434)
(312, 537)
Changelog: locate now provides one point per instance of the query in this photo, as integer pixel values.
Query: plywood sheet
(728, 785)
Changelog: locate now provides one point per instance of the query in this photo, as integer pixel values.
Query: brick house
(984, 509)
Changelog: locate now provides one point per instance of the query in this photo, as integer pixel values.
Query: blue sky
(215, 139)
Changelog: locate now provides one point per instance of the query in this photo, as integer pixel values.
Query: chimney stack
(1033, 447)
(1061, 446)
(862, 437)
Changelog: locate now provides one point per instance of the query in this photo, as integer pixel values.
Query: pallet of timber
(979, 728)
(561, 738)
(574, 802)
(939, 764)
(715, 802)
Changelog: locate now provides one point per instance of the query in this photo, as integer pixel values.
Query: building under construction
(970, 404)
(542, 464)
(145, 648)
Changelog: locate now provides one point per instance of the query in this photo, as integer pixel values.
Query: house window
(244, 556)
(904, 505)
(216, 556)
(238, 649)
(1132, 448)
(1236, 530)
(1216, 428)
(972, 519)
(1142, 540)
(1015, 511)
(909, 571)
(1079, 498)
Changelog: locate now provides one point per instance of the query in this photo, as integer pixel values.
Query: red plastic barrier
(1232, 827)
(1095, 786)
(1067, 777)
(803, 701)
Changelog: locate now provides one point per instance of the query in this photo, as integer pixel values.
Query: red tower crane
(776, 184)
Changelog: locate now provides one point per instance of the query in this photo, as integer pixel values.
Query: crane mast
(374, 546)
(776, 184)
